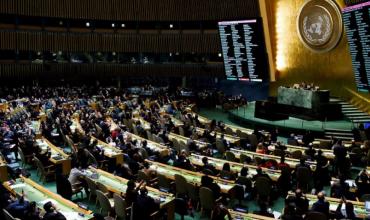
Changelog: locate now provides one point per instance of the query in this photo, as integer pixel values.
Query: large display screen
(244, 50)
(357, 21)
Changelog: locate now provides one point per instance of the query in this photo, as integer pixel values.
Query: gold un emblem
(320, 25)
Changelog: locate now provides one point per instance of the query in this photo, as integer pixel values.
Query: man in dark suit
(321, 205)
(51, 213)
(207, 166)
(261, 174)
(144, 205)
(300, 201)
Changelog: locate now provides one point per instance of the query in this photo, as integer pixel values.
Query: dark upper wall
(134, 10)
(39, 37)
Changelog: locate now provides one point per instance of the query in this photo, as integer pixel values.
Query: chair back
(120, 206)
(141, 175)
(160, 140)
(103, 202)
(193, 192)
(227, 175)
(180, 183)
(315, 216)
(297, 154)
(263, 186)
(303, 177)
(278, 152)
(134, 129)
(208, 172)
(149, 135)
(258, 161)
(21, 154)
(64, 187)
(92, 185)
(125, 122)
(91, 159)
(39, 165)
(229, 131)
(163, 181)
(181, 131)
(253, 140)
(176, 145)
(244, 135)
(99, 130)
(244, 158)
(220, 146)
(239, 133)
(230, 156)
(207, 200)
(143, 153)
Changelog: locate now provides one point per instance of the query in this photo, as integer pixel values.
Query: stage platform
(245, 117)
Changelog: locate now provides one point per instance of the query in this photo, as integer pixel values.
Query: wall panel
(55, 41)
(166, 10)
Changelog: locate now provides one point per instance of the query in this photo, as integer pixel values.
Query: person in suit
(261, 174)
(346, 212)
(52, 213)
(321, 205)
(300, 202)
(207, 166)
(144, 205)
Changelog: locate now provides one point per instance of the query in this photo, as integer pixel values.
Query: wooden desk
(58, 157)
(205, 121)
(76, 126)
(116, 184)
(35, 127)
(290, 161)
(37, 193)
(235, 167)
(176, 122)
(110, 151)
(173, 136)
(190, 176)
(229, 138)
(326, 142)
(247, 216)
(359, 207)
(112, 125)
(154, 146)
(326, 153)
(144, 124)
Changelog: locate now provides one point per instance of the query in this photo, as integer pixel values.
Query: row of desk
(58, 156)
(235, 167)
(290, 161)
(359, 207)
(34, 192)
(118, 185)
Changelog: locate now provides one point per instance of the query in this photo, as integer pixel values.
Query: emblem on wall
(319, 25)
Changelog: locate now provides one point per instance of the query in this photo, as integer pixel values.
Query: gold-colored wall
(295, 63)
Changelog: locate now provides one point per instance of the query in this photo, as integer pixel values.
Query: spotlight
(113, 25)
(171, 25)
(123, 25)
(219, 54)
(87, 24)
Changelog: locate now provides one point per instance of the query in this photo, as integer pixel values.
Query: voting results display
(357, 21)
(244, 50)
